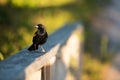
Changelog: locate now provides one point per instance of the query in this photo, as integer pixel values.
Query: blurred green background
(17, 18)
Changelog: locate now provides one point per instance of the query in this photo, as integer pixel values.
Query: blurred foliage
(92, 68)
(17, 18)
(1, 56)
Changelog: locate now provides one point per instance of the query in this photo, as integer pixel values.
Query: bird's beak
(36, 26)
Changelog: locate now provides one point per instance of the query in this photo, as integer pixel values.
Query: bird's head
(40, 27)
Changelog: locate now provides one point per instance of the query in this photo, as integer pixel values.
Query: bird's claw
(43, 50)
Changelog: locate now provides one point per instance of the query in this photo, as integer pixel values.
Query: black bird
(39, 38)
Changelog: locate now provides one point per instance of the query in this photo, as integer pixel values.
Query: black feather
(39, 38)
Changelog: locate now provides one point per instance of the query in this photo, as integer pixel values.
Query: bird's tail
(33, 47)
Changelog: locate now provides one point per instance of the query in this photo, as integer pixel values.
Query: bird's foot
(43, 50)
(38, 51)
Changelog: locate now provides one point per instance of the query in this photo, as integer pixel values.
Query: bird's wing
(35, 36)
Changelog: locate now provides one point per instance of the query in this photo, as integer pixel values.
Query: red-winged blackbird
(39, 38)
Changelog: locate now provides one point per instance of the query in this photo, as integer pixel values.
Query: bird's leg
(43, 50)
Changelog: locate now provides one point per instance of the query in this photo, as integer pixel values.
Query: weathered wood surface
(27, 65)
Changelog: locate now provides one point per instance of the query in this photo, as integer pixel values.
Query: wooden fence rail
(60, 62)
